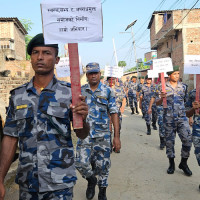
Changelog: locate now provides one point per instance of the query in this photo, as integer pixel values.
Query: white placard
(63, 68)
(72, 21)
(162, 65)
(113, 71)
(152, 74)
(192, 64)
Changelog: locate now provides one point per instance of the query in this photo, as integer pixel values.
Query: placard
(152, 74)
(63, 68)
(192, 64)
(162, 65)
(114, 71)
(67, 21)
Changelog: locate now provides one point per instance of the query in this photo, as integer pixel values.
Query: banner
(162, 65)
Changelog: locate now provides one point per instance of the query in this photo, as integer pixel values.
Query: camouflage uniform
(126, 88)
(159, 112)
(119, 96)
(174, 118)
(147, 93)
(195, 126)
(132, 87)
(95, 149)
(42, 125)
(139, 88)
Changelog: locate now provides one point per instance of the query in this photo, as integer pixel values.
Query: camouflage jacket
(119, 95)
(176, 99)
(147, 92)
(42, 125)
(101, 102)
(139, 87)
(132, 88)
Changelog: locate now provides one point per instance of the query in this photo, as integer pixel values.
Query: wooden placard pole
(163, 89)
(197, 91)
(75, 82)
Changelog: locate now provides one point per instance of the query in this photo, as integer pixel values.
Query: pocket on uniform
(25, 120)
(59, 122)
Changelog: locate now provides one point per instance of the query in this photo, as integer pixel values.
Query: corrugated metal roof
(165, 11)
(16, 21)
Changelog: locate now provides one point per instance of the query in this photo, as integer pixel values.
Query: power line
(187, 13)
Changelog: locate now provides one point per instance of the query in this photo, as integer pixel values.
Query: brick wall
(7, 84)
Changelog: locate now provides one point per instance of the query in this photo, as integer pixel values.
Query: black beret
(38, 41)
(175, 68)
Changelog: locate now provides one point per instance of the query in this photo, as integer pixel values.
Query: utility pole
(131, 26)
(116, 60)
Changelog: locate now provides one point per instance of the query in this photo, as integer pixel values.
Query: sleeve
(10, 127)
(112, 108)
(189, 101)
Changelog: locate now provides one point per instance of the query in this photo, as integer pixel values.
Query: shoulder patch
(65, 83)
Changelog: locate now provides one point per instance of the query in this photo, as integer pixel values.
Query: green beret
(142, 77)
(133, 77)
(175, 68)
(146, 77)
(102, 77)
(38, 41)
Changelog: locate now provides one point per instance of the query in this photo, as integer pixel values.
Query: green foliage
(122, 64)
(28, 26)
(141, 66)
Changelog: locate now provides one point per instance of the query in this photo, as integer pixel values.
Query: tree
(28, 26)
(122, 64)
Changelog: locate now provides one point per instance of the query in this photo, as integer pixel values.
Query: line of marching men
(181, 105)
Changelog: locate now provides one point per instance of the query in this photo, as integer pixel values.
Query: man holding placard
(93, 153)
(175, 120)
(39, 116)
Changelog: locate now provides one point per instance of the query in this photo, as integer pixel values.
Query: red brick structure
(176, 33)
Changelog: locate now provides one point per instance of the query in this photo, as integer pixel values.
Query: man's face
(113, 81)
(43, 60)
(134, 80)
(149, 81)
(141, 81)
(93, 78)
(174, 77)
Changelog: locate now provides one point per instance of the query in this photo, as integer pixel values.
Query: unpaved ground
(139, 171)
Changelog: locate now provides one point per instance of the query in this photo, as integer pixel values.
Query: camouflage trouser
(147, 117)
(196, 139)
(65, 194)
(181, 126)
(154, 114)
(160, 121)
(132, 101)
(93, 158)
(143, 108)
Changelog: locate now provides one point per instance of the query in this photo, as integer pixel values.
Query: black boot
(183, 165)
(162, 143)
(171, 168)
(148, 129)
(102, 193)
(90, 192)
(133, 112)
(154, 126)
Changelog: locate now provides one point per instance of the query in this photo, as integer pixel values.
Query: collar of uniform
(51, 86)
(98, 88)
(179, 85)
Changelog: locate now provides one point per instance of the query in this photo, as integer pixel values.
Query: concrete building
(176, 33)
(12, 40)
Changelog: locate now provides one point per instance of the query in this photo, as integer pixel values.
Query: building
(176, 33)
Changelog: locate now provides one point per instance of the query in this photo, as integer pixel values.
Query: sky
(117, 15)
